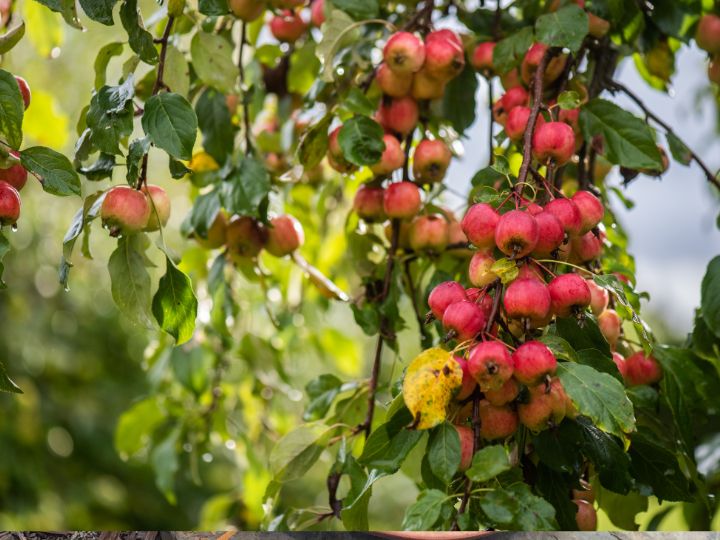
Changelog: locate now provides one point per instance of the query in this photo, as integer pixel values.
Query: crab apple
(505, 394)
(284, 236)
(527, 299)
(286, 4)
(482, 57)
(244, 238)
(516, 96)
(568, 214)
(516, 233)
(467, 444)
(443, 295)
(599, 297)
(428, 233)
(511, 79)
(444, 55)
(336, 158)
(479, 225)
(247, 10)
(404, 53)
(468, 382)
(714, 70)
(586, 516)
(610, 325)
(125, 210)
(401, 200)
(456, 237)
(317, 13)
(590, 208)
(585, 493)
(399, 115)
(532, 362)
(532, 59)
(392, 157)
(431, 161)
(159, 207)
(550, 234)
(517, 120)
(391, 83)
(288, 26)
(15, 175)
(642, 369)
(553, 140)
(368, 203)
(464, 319)
(572, 118)
(496, 422)
(24, 90)
(485, 301)
(569, 294)
(619, 360)
(530, 270)
(479, 269)
(427, 87)
(707, 34)
(490, 365)
(215, 236)
(9, 204)
(585, 248)
(547, 405)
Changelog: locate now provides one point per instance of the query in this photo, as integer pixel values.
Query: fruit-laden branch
(617, 86)
(245, 103)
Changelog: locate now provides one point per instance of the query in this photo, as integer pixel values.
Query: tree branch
(245, 104)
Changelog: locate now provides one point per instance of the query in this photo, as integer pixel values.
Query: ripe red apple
(707, 34)
(467, 440)
(516, 96)
(497, 422)
(215, 234)
(392, 157)
(516, 234)
(619, 360)
(444, 294)
(464, 319)
(546, 406)
(590, 208)
(468, 382)
(244, 238)
(482, 58)
(517, 120)
(586, 516)
(456, 237)
(504, 395)
(399, 115)
(430, 161)
(317, 13)
(401, 200)
(599, 297)
(24, 90)
(428, 233)
(642, 369)
(570, 294)
(553, 140)
(511, 79)
(533, 361)
(483, 300)
(532, 59)
(550, 234)
(610, 325)
(288, 26)
(368, 203)
(426, 86)
(9, 204)
(585, 248)
(490, 365)
(444, 55)
(568, 214)
(284, 236)
(530, 270)
(527, 299)
(572, 118)
(585, 493)
(15, 175)
(335, 155)
(391, 83)
(479, 269)
(404, 52)
(247, 10)
(125, 210)
(159, 207)
(479, 225)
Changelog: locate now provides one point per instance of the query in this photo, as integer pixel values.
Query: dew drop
(14, 227)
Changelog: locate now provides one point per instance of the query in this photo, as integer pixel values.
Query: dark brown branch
(491, 157)
(245, 103)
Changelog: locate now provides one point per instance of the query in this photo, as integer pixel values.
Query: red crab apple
(9, 204)
(391, 83)
(490, 365)
(399, 115)
(428, 233)
(599, 297)
(479, 269)
(443, 295)
(479, 225)
(585, 493)
(404, 53)
(244, 238)
(533, 361)
(482, 57)
(336, 158)
(215, 236)
(444, 55)
(610, 325)
(159, 207)
(426, 86)
(516, 96)
(284, 236)
(527, 299)
(288, 26)
(619, 360)
(430, 161)
(516, 233)
(504, 395)
(568, 214)
(553, 140)
(547, 405)
(569, 294)
(550, 234)
(497, 422)
(468, 382)
(517, 120)
(707, 34)
(511, 79)
(24, 90)
(317, 13)
(530, 270)
(125, 210)
(464, 320)
(15, 175)
(572, 118)
(586, 516)
(368, 203)
(247, 10)
(467, 439)
(532, 59)
(585, 248)
(590, 208)
(642, 369)
(392, 157)
(401, 200)
(485, 301)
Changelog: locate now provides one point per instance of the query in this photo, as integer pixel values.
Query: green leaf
(204, 211)
(141, 41)
(176, 76)
(511, 50)
(110, 116)
(101, 169)
(165, 462)
(129, 279)
(679, 151)
(245, 188)
(304, 68)
(628, 140)
(212, 61)
(12, 37)
(6, 383)
(516, 508)
(598, 361)
(104, 55)
(358, 103)
(175, 305)
(623, 510)
(569, 100)
(566, 27)
(171, 124)
(12, 109)
(215, 124)
(322, 391)
(135, 427)
(359, 10)
(554, 488)
(605, 452)
(390, 443)
(313, 145)
(335, 33)
(444, 451)
(192, 367)
(486, 177)
(81, 222)
(423, 513)
(559, 347)
(624, 307)
(587, 336)
(99, 10)
(656, 467)
(505, 269)
(598, 396)
(458, 106)
(710, 296)
(361, 140)
(297, 451)
(54, 170)
(213, 7)
(136, 151)
(488, 463)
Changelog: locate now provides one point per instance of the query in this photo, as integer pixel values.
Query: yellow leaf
(430, 382)
(45, 124)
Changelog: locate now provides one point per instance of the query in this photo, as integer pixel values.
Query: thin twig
(245, 103)
(491, 157)
(412, 292)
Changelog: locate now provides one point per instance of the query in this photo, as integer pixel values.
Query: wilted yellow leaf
(430, 383)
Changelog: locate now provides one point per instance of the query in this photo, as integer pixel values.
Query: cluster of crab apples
(14, 177)
(707, 37)
(287, 24)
